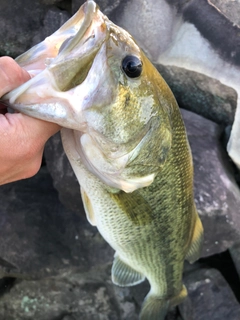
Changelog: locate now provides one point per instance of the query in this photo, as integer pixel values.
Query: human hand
(22, 138)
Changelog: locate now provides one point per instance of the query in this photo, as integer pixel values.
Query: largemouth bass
(126, 141)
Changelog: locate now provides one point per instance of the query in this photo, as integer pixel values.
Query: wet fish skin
(127, 144)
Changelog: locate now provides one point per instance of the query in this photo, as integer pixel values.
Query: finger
(13, 171)
(21, 145)
(11, 75)
(29, 128)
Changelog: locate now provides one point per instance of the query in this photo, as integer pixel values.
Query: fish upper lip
(89, 9)
(44, 53)
(49, 48)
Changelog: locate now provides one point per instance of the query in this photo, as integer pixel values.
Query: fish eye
(132, 66)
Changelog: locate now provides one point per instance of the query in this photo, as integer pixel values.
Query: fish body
(127, 144)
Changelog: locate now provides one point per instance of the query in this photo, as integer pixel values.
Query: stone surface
(39, 237)
(217, 195)
(50, 2)
(106, 6)
(235, 254)
(152, 23)
(20, 21)
(210, 297)
(73, 296)
(229, 8)
(53, 20)
(201, 94)
(64, 179)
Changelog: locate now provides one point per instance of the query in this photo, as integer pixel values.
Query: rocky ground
(53, 264)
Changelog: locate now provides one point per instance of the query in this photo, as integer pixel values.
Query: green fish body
(126, 141)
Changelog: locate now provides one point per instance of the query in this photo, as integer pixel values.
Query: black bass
(126, 141)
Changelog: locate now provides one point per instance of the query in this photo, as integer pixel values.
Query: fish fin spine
(124, 275)
(194, 250)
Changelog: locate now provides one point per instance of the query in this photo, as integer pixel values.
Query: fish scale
(160, 205)
(125, 139)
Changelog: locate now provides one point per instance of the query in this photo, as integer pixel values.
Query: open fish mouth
(59, 65)
(65, 40)
(79, 83)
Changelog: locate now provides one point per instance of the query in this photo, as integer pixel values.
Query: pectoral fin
(88, 208)
(196, 243)
(123, 275)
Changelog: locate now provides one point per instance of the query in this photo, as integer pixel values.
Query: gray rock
(50, 2)
(209, 297)
(64, 179)
(217, 195)
(106, 6)
(173, 315)
(25, 23)
(152, 23)
(20, 21)
(71, 296)
(201, 94)
(229, 8)
(39, 237)
(74, 295)
(235, 254)
(53, 20)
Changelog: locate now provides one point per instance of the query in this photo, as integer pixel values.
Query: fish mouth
(59, 65)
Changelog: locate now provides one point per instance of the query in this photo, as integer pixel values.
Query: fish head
(94, 79)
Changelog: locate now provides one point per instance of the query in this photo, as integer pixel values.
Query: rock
(235, 254)
(209, 297)
(128, 299)
(53, 20)
(6, 284)
(39, 237)
(71, 296)
(229, 8)
(64, 179)
(50, 2)
(106, 6)
(20, 21)
(217, 195)
(173, 315)
(152, 23)
(74, 295)
(24, 24)
(201, 94)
